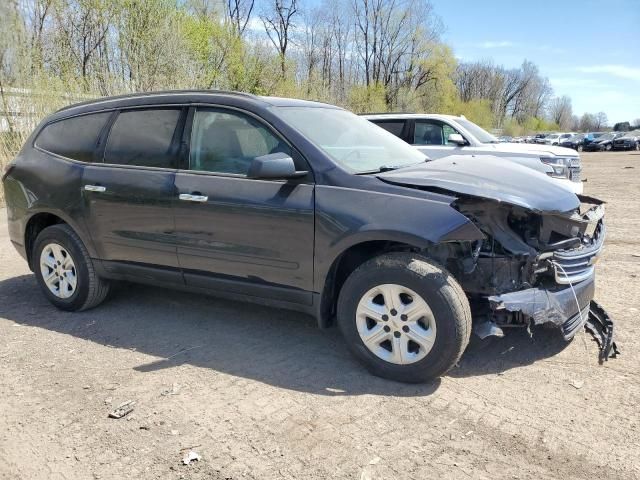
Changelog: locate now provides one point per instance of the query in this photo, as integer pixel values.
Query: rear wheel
(65, 271)
(404, 317)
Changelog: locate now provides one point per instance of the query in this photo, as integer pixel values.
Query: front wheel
(608, 148)
(405, 317)
(65, 271)
(579, 148)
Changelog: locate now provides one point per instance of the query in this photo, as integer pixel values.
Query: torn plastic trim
(544, 305)
(560, 308)
(600, 326)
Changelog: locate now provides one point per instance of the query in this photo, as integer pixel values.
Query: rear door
(254, 237)
(400, 128)
(128, 195)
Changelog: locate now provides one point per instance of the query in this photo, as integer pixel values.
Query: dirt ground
(262, 393)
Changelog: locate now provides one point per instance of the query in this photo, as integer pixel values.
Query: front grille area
(576, 265)
(574, 174)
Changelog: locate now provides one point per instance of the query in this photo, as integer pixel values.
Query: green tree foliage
(478, 111)
(369, 56)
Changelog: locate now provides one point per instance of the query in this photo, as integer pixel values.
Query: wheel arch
(351, 258)
(42, 219)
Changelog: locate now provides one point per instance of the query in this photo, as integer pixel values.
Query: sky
(589, 49)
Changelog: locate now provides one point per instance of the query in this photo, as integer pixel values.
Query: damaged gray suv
(305, 206)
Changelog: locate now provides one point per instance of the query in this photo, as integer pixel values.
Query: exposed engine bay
(534, 261)
(532, 268)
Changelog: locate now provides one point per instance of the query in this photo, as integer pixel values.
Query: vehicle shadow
(277, 347)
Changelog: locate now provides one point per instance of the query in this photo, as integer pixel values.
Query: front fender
(346, 217)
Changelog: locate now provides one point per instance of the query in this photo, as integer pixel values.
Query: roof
(402, 116)
(185, 96)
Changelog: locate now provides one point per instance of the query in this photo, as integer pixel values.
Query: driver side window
(428, 133)
(227, 142)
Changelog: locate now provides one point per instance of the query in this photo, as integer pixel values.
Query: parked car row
(307, 206)
(588, 142)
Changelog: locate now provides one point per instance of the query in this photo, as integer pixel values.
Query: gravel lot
(261, 393)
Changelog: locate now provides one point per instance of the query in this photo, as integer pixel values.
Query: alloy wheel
(58, 270)
(396, 324)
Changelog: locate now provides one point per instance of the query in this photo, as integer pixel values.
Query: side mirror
(457, 139)
(274, 165)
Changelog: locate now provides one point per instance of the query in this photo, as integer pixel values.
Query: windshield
(555, 135)
(350, 140)
(480, 133)
(606, 136)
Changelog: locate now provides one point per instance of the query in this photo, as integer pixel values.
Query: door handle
(95, 188)
(193, 198)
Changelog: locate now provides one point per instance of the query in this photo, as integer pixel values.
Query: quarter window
(144, 138)
(74, 138)
(227, 142)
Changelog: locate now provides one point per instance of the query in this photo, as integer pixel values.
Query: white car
(439, 136)
(556, 138)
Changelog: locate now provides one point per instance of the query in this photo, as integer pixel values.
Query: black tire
(608, 148)
(91, 290)
(436, 286)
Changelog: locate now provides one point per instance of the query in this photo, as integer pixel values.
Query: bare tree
(84, 26)
(601, 121)
(587, 122)
(239, 12)
(561, 111)
(278, 22)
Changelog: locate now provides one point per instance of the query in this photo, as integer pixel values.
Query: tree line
(366, 55)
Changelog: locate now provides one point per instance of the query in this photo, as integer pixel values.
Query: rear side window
(74, 138)
(144, 138)
(394, 127)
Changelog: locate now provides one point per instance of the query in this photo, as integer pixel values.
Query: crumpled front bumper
(566, 307)
(569, 308)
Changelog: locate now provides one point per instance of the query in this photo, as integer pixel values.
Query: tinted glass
(427, 133)
(74, 138)
(143, 138)
(392, 127)
(227, 142)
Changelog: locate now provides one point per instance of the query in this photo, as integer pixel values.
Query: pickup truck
(440, 136)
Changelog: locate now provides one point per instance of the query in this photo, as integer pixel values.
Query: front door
(128, 196)
(431, 138)
(248, 236)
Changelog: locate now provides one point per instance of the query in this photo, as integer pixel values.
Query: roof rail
(151, 94)
(387, 113)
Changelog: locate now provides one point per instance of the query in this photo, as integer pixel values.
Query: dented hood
(488, 177)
